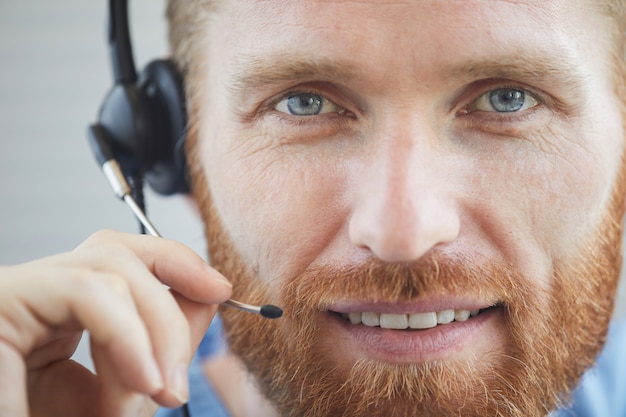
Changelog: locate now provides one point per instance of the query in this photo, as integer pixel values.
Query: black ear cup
(145, 123)
(163, 86)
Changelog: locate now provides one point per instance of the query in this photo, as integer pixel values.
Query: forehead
(382, 17)
(423, 35)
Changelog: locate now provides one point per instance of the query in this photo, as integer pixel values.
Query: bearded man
(433, 191)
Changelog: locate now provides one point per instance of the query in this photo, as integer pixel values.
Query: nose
(404, 201)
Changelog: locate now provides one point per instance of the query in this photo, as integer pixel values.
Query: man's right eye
(307, 104)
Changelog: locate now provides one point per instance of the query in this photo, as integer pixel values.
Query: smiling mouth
(415, 321)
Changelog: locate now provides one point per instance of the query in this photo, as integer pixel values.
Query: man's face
(378, 168)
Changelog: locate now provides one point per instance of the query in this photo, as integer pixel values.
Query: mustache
(435, 274)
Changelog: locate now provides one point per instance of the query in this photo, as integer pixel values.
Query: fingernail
(180, 383)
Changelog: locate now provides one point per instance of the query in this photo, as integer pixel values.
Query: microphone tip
(270, 311)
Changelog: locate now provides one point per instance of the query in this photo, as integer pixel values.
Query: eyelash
(469, 109)
(293, 93)
(467, 112)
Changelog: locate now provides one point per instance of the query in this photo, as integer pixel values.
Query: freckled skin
(409, 168)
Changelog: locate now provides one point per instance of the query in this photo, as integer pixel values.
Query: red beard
(552, 334)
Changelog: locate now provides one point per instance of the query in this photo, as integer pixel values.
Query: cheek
(577, 175)
(552, 198)
(281, 208)
(565, 199)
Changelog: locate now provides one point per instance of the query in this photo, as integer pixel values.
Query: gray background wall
(54, 73)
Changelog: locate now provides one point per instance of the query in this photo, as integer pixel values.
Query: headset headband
(124, 71)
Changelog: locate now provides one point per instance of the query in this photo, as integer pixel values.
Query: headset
(144, 117)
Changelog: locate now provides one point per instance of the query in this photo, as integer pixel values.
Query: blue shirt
(601, 393)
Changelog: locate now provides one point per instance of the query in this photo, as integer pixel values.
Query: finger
(169, 334)
(68, 299)
(12, 383)
(53, 391)
(165, 323)
(173, 264)
(199, 317)
(61, 345)
(102, 303)
(115, 400)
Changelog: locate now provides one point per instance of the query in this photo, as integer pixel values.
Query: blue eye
(306, 104)
(504, 100)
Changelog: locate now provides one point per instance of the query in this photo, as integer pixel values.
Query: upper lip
(410, 307)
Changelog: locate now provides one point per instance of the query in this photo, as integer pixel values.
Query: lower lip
(446, 341)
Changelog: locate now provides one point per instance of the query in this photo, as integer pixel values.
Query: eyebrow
(533, 67)
(523, 67)
(277, 69)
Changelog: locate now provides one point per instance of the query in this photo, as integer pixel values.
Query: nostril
(404, 235)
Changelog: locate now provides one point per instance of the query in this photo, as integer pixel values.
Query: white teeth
(422, 320)
(370, 319)
(355, 318)
(394, 321)
(461, 315)
(412, 321)
(445, 317)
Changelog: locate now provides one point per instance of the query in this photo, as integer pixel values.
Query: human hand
(142, 334)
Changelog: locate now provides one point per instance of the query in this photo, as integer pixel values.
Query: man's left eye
(307, 104)
(504, 100)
